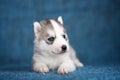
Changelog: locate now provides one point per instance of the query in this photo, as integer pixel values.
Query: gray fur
(44, 58)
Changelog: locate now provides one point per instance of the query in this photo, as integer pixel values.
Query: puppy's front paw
(64, 69)
(42, 69)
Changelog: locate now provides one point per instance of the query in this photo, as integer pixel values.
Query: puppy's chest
(53, 62)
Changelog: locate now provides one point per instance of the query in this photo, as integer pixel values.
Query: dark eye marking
(64, 36)
(50, 40)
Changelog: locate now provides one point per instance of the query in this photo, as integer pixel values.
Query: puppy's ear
(37, 27)
(60, 19)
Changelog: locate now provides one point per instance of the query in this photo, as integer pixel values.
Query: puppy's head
(51, 36)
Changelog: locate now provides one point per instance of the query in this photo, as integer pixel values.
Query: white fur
(51, 33)
(48, 57)
(58, 30)
(60, 19)
(37, 27)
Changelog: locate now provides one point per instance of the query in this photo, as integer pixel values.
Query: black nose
(64, 48)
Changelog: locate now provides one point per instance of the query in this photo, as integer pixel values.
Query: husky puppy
(52, 49)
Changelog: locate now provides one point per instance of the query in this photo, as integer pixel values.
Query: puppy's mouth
(57, 53)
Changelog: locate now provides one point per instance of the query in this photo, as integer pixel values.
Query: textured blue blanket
(85, 73)
(93, 28)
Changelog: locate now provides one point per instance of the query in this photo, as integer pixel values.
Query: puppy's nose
(64, 48)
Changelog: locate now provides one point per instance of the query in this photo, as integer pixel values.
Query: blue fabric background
(93, 28)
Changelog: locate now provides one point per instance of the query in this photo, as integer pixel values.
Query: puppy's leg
(77, 62)
(66, 67)
(74, 58)
(40, 67)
